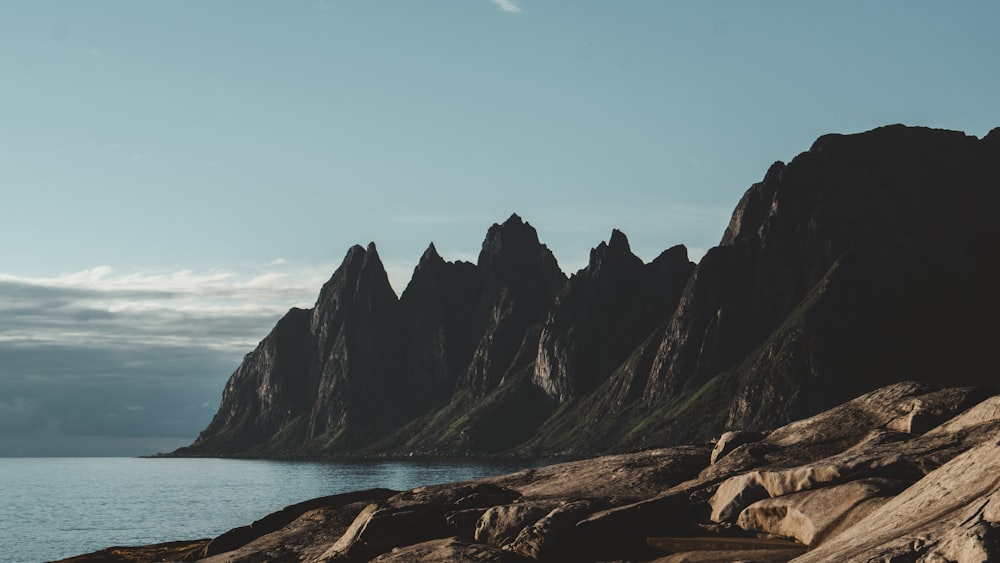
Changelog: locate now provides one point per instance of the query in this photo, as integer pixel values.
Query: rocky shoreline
(907, 472)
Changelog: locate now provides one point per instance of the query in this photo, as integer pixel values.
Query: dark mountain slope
(869, 259)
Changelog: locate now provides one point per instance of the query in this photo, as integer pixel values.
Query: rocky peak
(603, 313)
(430, 256)
(520, 281)
(439, 327)
(612, 258)
(509, 242)
(361, 277)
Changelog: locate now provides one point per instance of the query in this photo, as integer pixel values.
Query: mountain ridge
(868, 259)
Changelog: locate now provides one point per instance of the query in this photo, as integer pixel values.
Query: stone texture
(808, 517)
(731, 440)
(449, 550)
(950, 515)
(499, 525)
(865, 260)
(844, 481)
(549, 538)
(603, 313)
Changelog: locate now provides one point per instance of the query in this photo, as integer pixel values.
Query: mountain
(869, 259)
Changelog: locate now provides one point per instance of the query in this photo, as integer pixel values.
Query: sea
(53, 508)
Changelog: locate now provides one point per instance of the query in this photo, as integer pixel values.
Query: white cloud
(217, 309)
(507, 6)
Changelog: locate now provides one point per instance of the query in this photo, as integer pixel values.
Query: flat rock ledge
(909, 472)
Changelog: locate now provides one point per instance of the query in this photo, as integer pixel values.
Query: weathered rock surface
(847, 484)
(809, 516)
(448, 550)
(603, 313)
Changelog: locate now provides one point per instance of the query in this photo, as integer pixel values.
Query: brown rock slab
(807, 517)
(156, 553)
(238, 537)
(731, 440)
(725, 550)
(618, 479)
(952, 514)
(734, 556)
(738, 492)
(501, 524)
(449, 550)
(551, 538)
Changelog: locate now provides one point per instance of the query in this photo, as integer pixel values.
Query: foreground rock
(908, 472)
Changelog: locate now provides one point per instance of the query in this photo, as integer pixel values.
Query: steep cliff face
(440, 328)
(269, 391)
(321, 379)
(520, 281)
(603, 313)
(353, 325)
(869, 259)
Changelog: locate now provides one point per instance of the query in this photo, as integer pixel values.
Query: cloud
(507, 6)
(125, 355)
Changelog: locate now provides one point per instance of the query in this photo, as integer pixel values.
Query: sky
(176, 174)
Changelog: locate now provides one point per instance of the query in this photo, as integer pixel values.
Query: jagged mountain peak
(513, 237)
(430, 255)
(866, 257)
(618, 240)
(675, 253)
(612, 258)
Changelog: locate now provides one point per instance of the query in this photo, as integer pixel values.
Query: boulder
(238, 537)
(809, 516)
(731, 440)
(952, 514)
(550, 538)
(738, 492)
(499, 525)
(415, 516)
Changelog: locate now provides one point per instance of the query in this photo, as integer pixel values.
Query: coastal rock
(949, 515)
(499, 525)
(731, 440)
(448, 550)
(549, 537)
(411, 517)
(809, 517)
(843, 482)
(239, 537)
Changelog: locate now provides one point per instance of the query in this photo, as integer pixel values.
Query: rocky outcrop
(843, 485)
(868, 259)
(321, 379)
(863, 261)
(521, 280)
(603, 313)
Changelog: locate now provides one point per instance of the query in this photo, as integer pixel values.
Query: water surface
(52, 508)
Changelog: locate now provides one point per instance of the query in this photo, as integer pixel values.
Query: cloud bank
(100, 362)
(507, 6)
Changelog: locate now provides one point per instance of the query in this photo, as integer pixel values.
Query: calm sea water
(52, 508)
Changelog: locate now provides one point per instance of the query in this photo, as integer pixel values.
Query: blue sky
(175, 175)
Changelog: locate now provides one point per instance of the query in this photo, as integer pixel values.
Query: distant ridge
(869, 259)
